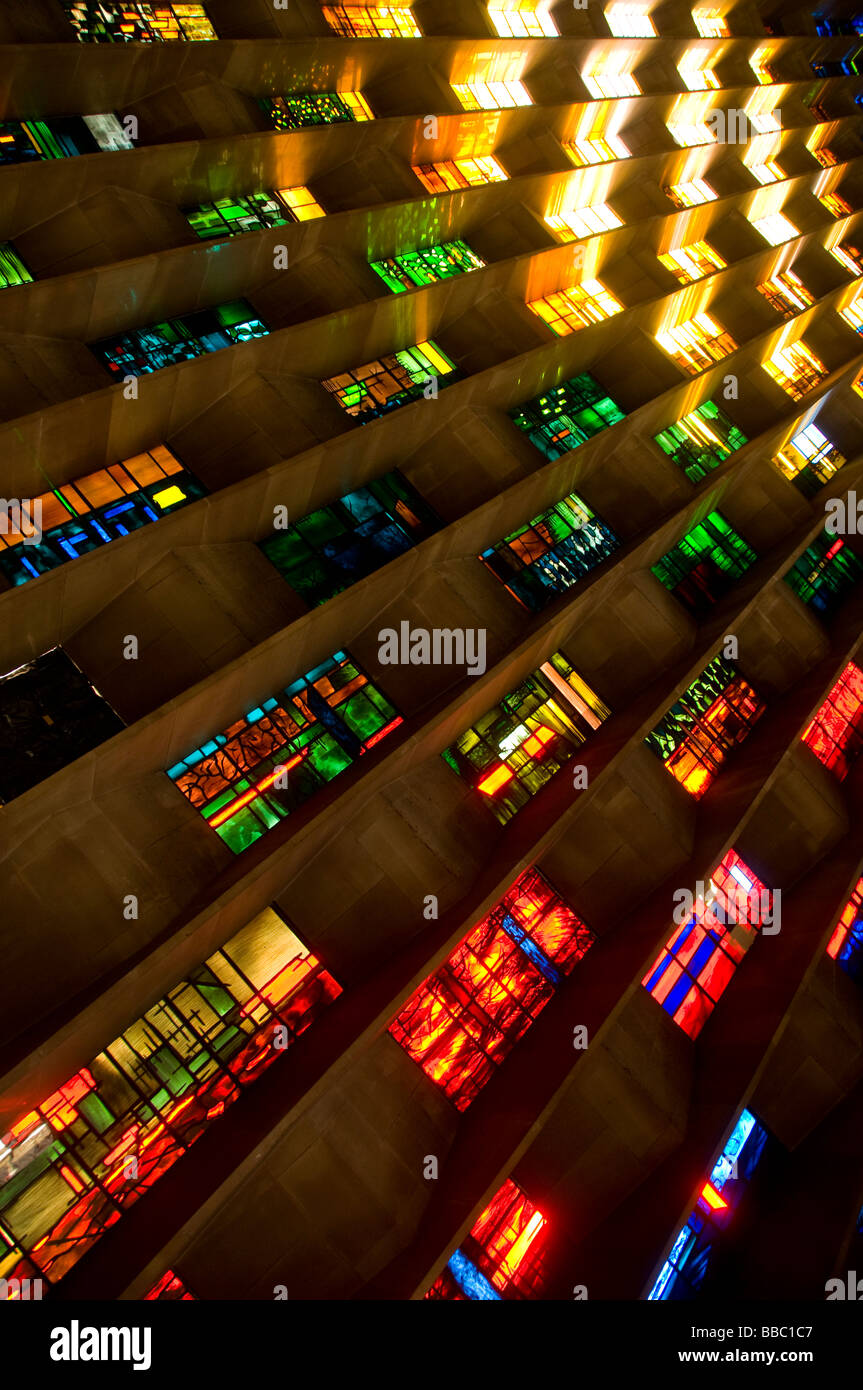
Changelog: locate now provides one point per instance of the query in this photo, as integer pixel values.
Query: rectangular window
(551, 553)
(50, 715)
(696, 344)
(701, 440)
(695, 72)
(846, 943)
(451, 174)
(766, 172)
(824, 575)
(427, 265)
(583, 222)
(826, 158)
(776, 228)
(371, 390)
(716, 712)
(372, 21)
(690, 133)
(796, 369)
(251, 776)
(835, 735)
(466, 1018)
(835, 205)
(577, 307)
(628, 21)
(514, 749)
(849, 257)
(13, 271)
(690, 194)
(333, 547)
(786, 293)
(567, 415)
(491, 96)
(231, 216)
(502, 1255)
(91, 511)
(705, 564)
(126, 21)
(696, 964)
(690, 263)
(710, 23)
(527, 22)
(153, 1092)
(299, 109)
(706, 1232)
(599, 147)
(853, 313)
(809, 460)
(21, 142)
(169, 1289)
(143, 350)
(602, 82)
(760, 65)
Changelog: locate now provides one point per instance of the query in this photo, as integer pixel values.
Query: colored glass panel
(427, 265)
(514, 749)
(567, 415)
(577, 307)
(526, 22)
(300, 109)
(451, 174)
(690, 193)
(696, 344)
(248, 778)
(551, 553)
(809, 460)
(776, 228)
(142, 350)
(823, 576)
(13, 271)
(705, 564)
(169, 1289)
(126, 21)
(846, 943)
(583, 222)
(491, 96)
(786, 293)
(371, 21)
(465, 1019)
(701, 440)
(600, 146)
(835, 735)
(231, 216)
(716, 712)
(333, 547)
(71, 1167)
(502, 1255)
(371, 390)
(60, 137)
(692, 262)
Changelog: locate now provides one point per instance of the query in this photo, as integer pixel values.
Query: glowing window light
(627, 21)
(427, 265)
(95, 509)
(710, 23)
(583, 222)
(372, 21)
(809, 460)
(715, 713)
(835, 734)
(451, 174)
(169, 1289)
(760, 65)
(688, 134)
(768, 171)
(143, 350)
(466, 1018)
(690, 263)
(502, 1255)
(570, 309)
(849, 257)
(853, 313)
(776, 228)
(599, 147)
(152, 1093)
(700, 441)
(697, 343)
(231, 216)
(128, 21)
(824, 575)
(796, 369)
(13, 271)
(300, 203)
(566, 416)
(300, 109)
(786, 293)
(695, 1245)
(765, 122)
(492, 96)
(551, 552)
(837, 206)
(371, 390)
(62, 137)
(705, 564)
(698, 961)
(524, 23)
(695, 73)
(690, 194)
(602, 83)
(846, 944)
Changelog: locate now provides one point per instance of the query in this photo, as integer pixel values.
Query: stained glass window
(767, 171)
(786, 293)
(835, 735)
(809, 460)
(695, 71)
(125, 21)
(710, 22)
(583, 222)
(142, 350)
(514, 749)
(526, 22)
(690, 193)
(230, 216)
(697, 962)
(602, 81)
(576, 307)
(776, 228)
(371, 390)
(13, 271)
(425, 266)
(796, 369)
(698, 732)
(836, 205)
(688, 134)
(70, 1168)
(824, 574)
(502, 1256)
(451, 174)
(551, 553)
(696, 344)
(372, 21)
(169, 1289)
(91, 511)
(599, 146)
(849, 257)
(629, 21)
(706, 1231)
(60, 137)
(251, 776)
(705, 564)
(50, 715)
(466, 1018)
(692, 262)
(701, 440)
(567, 415)
(846, 944)
(299, 109)
(333, 547)
(491, 96)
